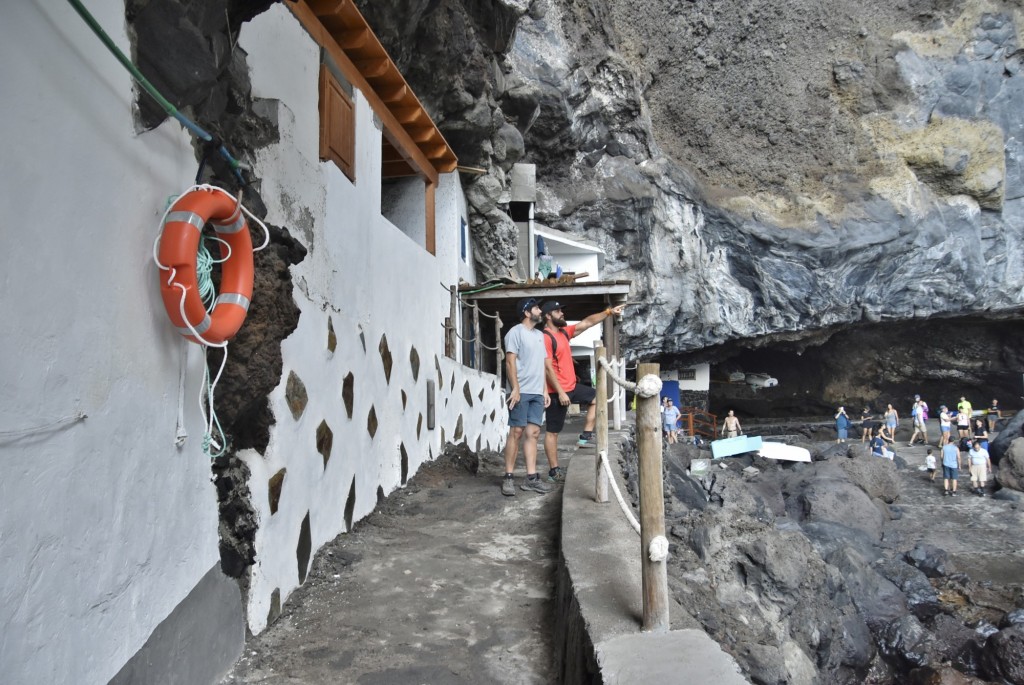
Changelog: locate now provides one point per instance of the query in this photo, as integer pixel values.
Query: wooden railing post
(622, 391)
(453, 340)
(601, 427)
(499, 356)
(617, 393)
(478, 343)
(652, 506)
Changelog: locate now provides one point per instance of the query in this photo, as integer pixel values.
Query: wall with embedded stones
(111, 570)
(352, 407)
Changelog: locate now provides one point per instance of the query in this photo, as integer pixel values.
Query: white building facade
(111, 569)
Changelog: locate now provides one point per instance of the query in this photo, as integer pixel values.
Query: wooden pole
(499, 354)
(453, 340)
(478, 343)
(601, 427)
(652, 506)
(622, 394)
(617, 392)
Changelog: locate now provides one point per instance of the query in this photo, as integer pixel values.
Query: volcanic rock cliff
(764, 172)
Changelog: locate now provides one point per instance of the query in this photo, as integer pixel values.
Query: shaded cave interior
(871, 365)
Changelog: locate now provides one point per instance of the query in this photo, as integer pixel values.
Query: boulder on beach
(1010, 471)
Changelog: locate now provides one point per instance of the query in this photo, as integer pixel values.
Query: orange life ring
(179, 242)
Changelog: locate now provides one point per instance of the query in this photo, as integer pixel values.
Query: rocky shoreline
(850, 569)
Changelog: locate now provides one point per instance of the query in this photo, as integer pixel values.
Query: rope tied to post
(648, 386)
(658, 548)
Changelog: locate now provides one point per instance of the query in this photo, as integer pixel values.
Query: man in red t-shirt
(561, 380)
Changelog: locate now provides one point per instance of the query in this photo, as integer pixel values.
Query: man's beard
(560, 323)
(536, 318)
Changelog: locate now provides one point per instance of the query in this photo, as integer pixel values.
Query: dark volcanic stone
(934, 562)
(1009, 473)
(921, 596)
(1014, 618)
(1003, 657)
(906, 643)
(1007, 434)
(956, 643)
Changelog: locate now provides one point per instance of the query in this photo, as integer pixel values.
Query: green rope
(164, 103)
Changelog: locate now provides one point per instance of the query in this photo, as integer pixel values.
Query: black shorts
(582, 395)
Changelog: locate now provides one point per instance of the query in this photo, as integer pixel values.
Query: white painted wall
(371, 280)
(403, 203)
(105, 524)
(702, 380)
(576, 263)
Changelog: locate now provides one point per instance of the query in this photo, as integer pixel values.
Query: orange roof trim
(346, 25)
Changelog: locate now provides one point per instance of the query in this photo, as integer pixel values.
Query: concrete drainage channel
(598, 599)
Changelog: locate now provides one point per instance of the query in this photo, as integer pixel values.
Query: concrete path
(448, 582)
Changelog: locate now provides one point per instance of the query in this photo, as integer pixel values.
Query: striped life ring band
(179, 242)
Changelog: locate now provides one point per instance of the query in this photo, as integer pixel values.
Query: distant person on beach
(980, 434)
(878, 446)
(919, 414)
(669, 420)
(562, 388)
(964, 405)
(963, 422)
(524, 363)
(945, 422)
(993, 415)
(950, 467)
(929, 463)
(980, 465)
(892, 420)
(866, 425)
(842, 425)
(731, 425)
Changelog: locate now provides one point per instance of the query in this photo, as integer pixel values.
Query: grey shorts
(530, 409)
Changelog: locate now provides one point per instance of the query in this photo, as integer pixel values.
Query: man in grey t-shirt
(524, 363)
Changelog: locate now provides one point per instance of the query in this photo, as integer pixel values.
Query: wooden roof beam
(422, 134)
(353, 39)
(436, 151)
(374, 67)
(396, 169)
(408, 115)
(394, 94)
(396, 106)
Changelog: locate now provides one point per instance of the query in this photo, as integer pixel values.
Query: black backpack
(554, 349)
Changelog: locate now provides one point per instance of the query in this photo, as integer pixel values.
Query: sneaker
(585, 439)
(945, 493)
(508, 487)
(535, 485)
(953, 494)
(558, 476)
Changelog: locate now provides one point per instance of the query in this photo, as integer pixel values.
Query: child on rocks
(929, 463)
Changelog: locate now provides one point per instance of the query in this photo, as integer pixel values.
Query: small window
(337, 124)
(688, 375)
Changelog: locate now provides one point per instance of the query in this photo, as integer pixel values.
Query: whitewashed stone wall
(107, 526)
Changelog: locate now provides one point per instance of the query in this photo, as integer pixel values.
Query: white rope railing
(618, 495)
(648, 386)
(658, 548)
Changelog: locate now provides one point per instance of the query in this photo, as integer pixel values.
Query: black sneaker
(585, 439)
(535, 485)
(558, 476)
(945, 493)
(953, 494)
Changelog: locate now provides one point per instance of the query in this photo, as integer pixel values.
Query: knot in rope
(658, 549)
(648, 386)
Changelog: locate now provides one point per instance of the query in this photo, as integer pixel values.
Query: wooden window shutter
(337, 125)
